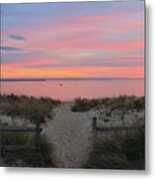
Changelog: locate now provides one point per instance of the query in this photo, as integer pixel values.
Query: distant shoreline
(3, 80)
(65, 79)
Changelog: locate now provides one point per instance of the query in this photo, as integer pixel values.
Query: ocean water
(67, 90)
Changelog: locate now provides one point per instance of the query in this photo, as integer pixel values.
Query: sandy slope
(70, 132)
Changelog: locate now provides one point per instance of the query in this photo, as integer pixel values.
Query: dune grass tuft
(37, 157)
(119, 151)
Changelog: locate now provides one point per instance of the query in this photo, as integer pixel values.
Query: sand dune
(70, 133)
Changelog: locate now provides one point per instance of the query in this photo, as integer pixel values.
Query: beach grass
(120, 102)
(28, 108)
(119, 151)
(26, 157)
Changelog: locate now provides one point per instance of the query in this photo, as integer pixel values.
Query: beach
(70, 133)
(72, 85)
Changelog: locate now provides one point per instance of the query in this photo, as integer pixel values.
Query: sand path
(70, 132)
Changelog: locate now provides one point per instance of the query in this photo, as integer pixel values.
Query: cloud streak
(17, 37)
(8, 48)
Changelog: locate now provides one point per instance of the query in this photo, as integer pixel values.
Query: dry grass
(119, 151)
(120, 102)
(32, 109)
(26, 157)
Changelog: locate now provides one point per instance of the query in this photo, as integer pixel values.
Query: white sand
(70, 132)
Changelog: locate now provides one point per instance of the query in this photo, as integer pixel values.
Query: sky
(83, 39)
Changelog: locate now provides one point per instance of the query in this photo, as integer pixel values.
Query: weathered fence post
(94, 126)
(38, 128)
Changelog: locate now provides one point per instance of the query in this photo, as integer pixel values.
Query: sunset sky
(95, 39)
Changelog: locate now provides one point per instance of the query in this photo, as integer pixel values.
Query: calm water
(68, 90)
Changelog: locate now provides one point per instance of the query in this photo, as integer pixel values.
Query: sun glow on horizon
(94, 39)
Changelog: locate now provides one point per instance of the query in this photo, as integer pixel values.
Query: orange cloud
(78, 71)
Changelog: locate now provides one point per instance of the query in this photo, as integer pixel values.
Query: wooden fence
(37, 130)
(96, 129)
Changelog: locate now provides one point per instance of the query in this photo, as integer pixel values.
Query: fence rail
(11, 148)
(19, 129)
(120, 128)
(18, 147)
(96, 129)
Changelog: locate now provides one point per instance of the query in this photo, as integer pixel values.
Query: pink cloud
(87, 44)
(79, 33)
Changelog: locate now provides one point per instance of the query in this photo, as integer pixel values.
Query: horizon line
(69, 78)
